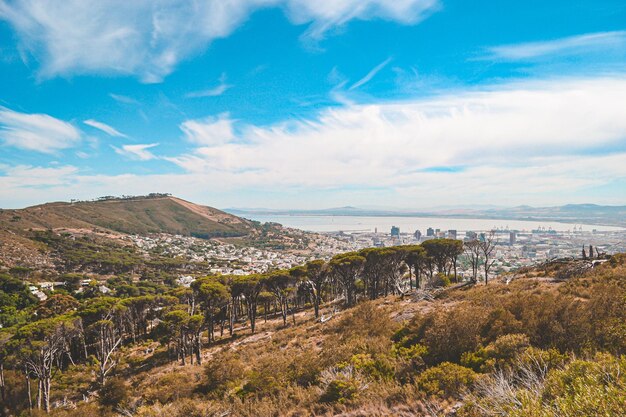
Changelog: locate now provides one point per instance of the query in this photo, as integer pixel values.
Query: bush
(376, 367)
(341, 385)
(581, 388)
(222, 374)
(171, 387)
(446, 380)
(439, 280)
(113, 393)
(499, 354)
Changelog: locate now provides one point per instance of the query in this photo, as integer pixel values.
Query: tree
(103, 320)
(249, 286)
(416, 260)
(396, 268)
(487, 246)
(281, 284)
(213, 296)
(5, 337)
(346, 267)
(175, 330)
(195, 324)
(454, 248)
(473, 250)
(40, 346)
(316, 275)
(373, 271)
(57, 304)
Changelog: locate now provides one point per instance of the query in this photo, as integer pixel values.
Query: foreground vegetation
(278, 344)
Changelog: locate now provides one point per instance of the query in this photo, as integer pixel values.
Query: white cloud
(209, 131)
(532, 142)
(601, 42)
(138, 152)
(123, 99)
(149, 38)
(36, 132)
(111, 131)
(325, 15)
(539, 143)
(26, 176)
(370, 74)
(393, 144)
(211, 92)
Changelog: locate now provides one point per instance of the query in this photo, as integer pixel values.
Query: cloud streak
(148, 39)
(212, 92)
(36, 132)
(368, 77)
(111, 131)
(138, 152)
(600, 42)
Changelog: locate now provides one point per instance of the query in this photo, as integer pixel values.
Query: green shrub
(446, 380)
(376, 367)
(341, 385)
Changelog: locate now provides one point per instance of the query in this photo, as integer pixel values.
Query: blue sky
(307, 104)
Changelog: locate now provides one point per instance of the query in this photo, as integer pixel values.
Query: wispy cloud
(209, 131)
(211, 92)
(547, 142)
(324, 16)
(600, 42)
(123, 99)
(149, 39)
(111, 131)
(501, 132)
(27, 176)
(36, 132)
(138, 152)
(370, 74)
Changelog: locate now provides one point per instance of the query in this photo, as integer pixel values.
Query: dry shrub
(223, 373)
(183, 408)
(171, 387)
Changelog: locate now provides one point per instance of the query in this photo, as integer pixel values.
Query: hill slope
(134, 216)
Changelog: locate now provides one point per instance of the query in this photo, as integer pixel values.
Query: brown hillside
(133, 216)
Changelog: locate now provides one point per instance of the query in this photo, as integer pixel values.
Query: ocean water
(320, 223)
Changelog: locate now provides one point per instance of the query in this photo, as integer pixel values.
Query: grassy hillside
(134, 216)
(535, 346)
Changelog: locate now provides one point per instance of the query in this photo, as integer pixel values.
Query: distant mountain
(137, 215)
(570, 213)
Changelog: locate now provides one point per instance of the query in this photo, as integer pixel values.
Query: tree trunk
(39, 394)
(456, 277)
(29, 392)
(2, 393)
(316, 306)
(46, 394)
(198, 350)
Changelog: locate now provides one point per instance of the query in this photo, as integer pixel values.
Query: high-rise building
(395, 231)
(471, 235)
(451, 234)
(512, 238)
(418, 235)
(430, 232)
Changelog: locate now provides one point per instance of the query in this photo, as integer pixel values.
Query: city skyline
(293, 104)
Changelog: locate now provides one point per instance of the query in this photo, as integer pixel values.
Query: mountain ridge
(140, 215)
